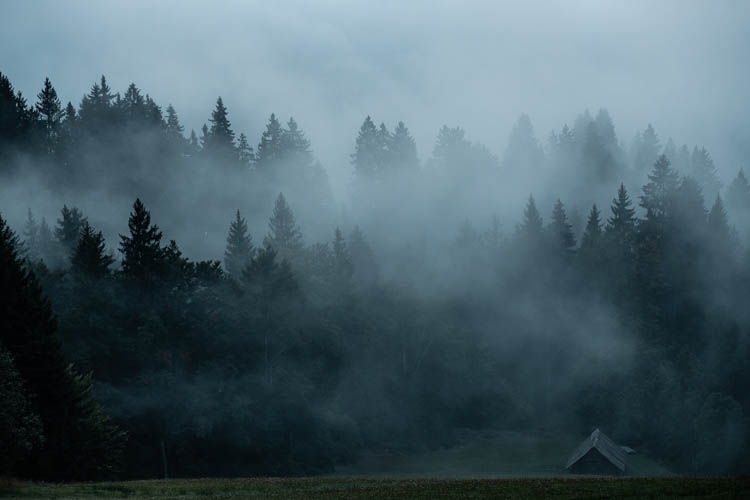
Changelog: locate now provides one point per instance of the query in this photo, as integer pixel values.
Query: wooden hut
(597, 454)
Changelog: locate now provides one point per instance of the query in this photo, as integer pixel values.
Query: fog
(555, 239)
(679, 65)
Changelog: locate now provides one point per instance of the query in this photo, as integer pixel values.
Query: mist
(393, 225)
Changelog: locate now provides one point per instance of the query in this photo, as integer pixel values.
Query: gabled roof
(597, 440)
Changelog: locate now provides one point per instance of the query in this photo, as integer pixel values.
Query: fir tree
(244, 152)
(142, 254)
(367, 150)
(20, 427)
(68, 228)
(89, 259)
(270, 146)
(560, 229)
(702, 169)
(646, 149)
(341, 257)
(284, 234)
(620, 228)
(50, 112)
(194, 147)
(592, 235)
(294, 145)
(718, 224)
(31, 237)
(658, 194)
(174, 130)
(80, 440)
(403, 150)
(365, 268)
(239, 249)
(220, 135)
(531, 227)
(523, 151)
(270, 279)
(738, 193)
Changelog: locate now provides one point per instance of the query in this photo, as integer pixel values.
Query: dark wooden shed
(597, 454)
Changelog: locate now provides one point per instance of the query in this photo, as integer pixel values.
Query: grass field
(481, 465)
(355, 488)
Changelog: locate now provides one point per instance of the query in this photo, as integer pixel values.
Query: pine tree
(703, 170)
(143, 257)
(31, 237)
(658, 194)
(270, 146)
(531, 227)
(403, 150)
(365, 268)
(205, 138)
(20, 427)
(562, 234)
(718, 223)
(367, 151)
(194, 147)
(270, 279)
(592, 235)
(645, 149)
(89, 259)
(341, 257)
(239, 249)
(284, 234)
(68, 228)
(80, 440)
(523, 152)
(620, 226)
(219, 140)
(738, 193)
(294, 145)
(50, 112)
(244, 152)
(174, 130)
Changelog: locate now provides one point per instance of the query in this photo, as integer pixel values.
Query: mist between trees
(225, 315)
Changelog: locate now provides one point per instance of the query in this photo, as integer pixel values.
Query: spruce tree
(560, 229)
(284, 235)
(738, 193)
(174, 130)
(718, 223)
(220, 135)
(523, 152)
(143, 257)
(80, 440)
(659, 193)
(592, 234)
(270, 279)
(403, 150)
(646, 149)
(20, 427)
(68, 228)
(50, 112)
(270, 146)
(703, 170)
(89, 259)
(365, 268)
(239, 249)
(367, 151)
(342, 259)
(244, 152)
(531, 227)
(31, 237)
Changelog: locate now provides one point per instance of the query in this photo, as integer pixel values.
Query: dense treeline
(287, 356)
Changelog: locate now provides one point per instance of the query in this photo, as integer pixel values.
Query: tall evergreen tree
(367, 151)
(219, 140)
(89, 258)
(592, 235)
(703, 170)
(365, 268)
(738, 193)
(621, 225)
(31, 237)
(284, 235)
(239, 249)
(341, 258)
(68, 228)
(659, 193)
(174, 130)
(245, 153)
(646, 149)
(403, 150)
(143, 256)
(718, 224)
(80, 440)
(270, 148)
(50, 112)
(561, 230)
(531, 227)
(523, 151)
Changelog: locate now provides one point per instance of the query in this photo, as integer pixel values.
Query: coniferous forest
(198, 303)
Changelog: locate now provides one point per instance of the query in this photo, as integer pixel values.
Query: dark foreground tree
(142, 254)
(80, 440)
(89, 258)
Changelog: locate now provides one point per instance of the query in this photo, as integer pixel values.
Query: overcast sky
(683, 66)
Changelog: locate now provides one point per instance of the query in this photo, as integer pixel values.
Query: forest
(178, 304)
